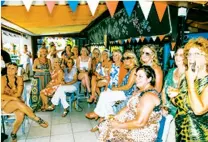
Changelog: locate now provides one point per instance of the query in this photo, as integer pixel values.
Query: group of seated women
(139, 83)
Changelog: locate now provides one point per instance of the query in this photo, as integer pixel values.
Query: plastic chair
(10, 117)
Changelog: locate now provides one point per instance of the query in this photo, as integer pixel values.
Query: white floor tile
(85, 137)
(81, 126)
(62, 138)
(42, 139)
(60, 120)
(36, 132)
(61, 129)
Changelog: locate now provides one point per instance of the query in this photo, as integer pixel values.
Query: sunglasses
(146, 53)
(127, 58)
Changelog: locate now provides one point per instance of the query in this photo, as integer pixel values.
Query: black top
(7, 59)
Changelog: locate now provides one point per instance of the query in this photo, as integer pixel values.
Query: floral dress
(190, 127)
(147, 133)
(49, 91)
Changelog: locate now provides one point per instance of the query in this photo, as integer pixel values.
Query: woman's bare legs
(44, 99)
(14, 106)
(93, 84)
(85, 80)
(18, 121)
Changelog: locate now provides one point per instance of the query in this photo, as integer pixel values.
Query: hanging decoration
(73, 5)
(142, 38)
(2, 2)
(50, 5)
(148, 39)
(137, 39)
(173, 45)
(93, 4)
(160, 8)
(27, 4)
(161, 37)
(154, 38)
(172, 53)
(112, 5)
(129, 6)
(145, 6)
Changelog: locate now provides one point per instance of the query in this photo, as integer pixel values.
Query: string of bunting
(111, 5)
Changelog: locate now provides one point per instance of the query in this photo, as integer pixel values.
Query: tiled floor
(73, 128)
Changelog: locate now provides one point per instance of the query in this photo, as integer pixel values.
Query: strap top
(84, 64)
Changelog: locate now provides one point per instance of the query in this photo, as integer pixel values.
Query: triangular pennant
(50, 5)
(27, 4)
(160, 8)
(172, 53)
(112, 5)
(129, 6)
(2, 2)
(161, 37)
(133, 40)
(119, 41)
(145, 6)
(73, 5)
(123, 41)
(137, 39)
(173, 45)
(129, 40)
(171, 63)
(93, 5)
(154, 38)
(142, 38)
(148, 39)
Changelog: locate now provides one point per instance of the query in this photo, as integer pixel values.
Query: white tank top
(83, 64)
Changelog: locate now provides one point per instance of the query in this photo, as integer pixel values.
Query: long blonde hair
(130, 53)
(42, 48)
(153, 49)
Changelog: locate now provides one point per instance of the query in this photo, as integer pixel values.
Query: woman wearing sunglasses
(11, 99)
(148, 56)
(192, 100)
(123, 92)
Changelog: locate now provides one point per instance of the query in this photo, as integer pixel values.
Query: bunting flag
(129, 6)
(93, 5)
(73, 5)
(145, 6)
(129, 40)
(112, 5)
(27, 4)
(160, 8)
(50, 5)
(161, 37)
(142, 38)
(137, 39)
(173, 45)
(2, 2)
(133, 40)
(148, 39)
(154, 38)
(125, 41)
(172, 53)
(171, 63)
(119, 41)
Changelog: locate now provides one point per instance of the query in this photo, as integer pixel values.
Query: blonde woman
(148, 56)
(84, 68)
(57, 76)
(123, 92)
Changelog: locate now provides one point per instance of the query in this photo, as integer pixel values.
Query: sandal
(49, 108)
(14, 137)
(42, 123)
(65, 113)
(94, 129)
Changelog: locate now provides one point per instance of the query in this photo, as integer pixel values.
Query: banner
(112, 5)
(129, 6)
(73, 5)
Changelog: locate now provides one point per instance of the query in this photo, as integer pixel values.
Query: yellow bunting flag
(112, 5)
(160, 8)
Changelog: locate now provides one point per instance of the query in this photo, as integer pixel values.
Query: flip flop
(49, 108)
(65, 113)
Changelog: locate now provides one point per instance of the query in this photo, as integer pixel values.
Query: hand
(164, 111)
(172, 92)
(115, 124)
(190, 74)
(114, 89)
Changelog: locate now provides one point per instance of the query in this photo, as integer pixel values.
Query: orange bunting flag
(112, 5)
(142, 38)
(173, 45)
(129, 40)
(161, 37)
(119, 41)
(50, 5)
(160, 8)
